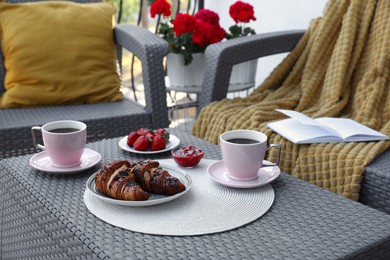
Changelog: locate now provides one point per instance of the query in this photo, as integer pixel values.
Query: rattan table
(43, 216)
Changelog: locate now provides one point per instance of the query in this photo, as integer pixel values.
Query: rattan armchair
(220, 58)
(104, 120)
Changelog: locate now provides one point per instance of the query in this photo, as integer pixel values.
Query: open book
(301, 129)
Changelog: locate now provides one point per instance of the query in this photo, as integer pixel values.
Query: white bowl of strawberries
(148, 140)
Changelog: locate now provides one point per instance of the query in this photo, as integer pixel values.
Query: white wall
(272, 15)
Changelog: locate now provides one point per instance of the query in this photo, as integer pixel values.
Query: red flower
(184, 23)
(207, 29)
(160, 7)
(242, 12)
(208, 16)
(188, 34)
(219, 35)
(206, 33)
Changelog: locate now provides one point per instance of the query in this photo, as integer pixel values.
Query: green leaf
(187, 58)
(248, 31)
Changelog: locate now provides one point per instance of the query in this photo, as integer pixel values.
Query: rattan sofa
(220, 58)
(104, 120)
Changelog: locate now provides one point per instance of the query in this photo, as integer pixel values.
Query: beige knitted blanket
(340, 68)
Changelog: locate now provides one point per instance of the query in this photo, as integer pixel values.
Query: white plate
(219, 173)
(154, 199)
(173, 143)
(42, 162)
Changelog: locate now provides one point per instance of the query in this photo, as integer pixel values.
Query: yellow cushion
(58, 53)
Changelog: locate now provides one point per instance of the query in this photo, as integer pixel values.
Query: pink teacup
(243, 153)
(64, 141)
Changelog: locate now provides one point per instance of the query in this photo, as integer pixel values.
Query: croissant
(115, 181)
(154, 179)
(133, 180)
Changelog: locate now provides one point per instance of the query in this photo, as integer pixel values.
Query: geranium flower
(242, 12)
(206, 33)
(187, 34)
(160, 7)
(184, 23)
(208, 16)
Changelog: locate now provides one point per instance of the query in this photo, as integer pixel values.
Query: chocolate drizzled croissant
(130, 180)
(152, 178)
(115, 181)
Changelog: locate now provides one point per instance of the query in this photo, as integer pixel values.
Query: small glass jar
(187, 157)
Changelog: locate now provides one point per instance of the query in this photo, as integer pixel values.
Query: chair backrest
(2, 68)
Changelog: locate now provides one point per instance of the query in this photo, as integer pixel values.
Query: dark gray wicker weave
(375, 190)
(104, 120)
(221, 57)
(43, 216)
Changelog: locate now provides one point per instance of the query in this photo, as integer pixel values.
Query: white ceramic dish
(174, 142)
(154, 199)
(42, 162)
(219, 173)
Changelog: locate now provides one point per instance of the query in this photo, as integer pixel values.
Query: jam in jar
(188, 156)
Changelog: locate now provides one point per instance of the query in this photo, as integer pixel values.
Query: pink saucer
(218, 172)
(42, 162)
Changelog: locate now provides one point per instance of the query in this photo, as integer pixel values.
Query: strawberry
(131, 138)
(164, 133)
(158, 143)
(142, 143)
(150, 135)
(144, 131)
(160, 131)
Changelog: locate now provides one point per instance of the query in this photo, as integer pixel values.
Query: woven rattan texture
(375, 190)
(29, 224)
(221, 57)
(150, 49)
(104, 120)
(335, 73)
(46, 212)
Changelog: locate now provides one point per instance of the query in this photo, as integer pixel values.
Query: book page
(303, 119)
(299, 133)
(351, 130)
(303, 129)
(299, 116)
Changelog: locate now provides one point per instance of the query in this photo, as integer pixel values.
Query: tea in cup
(64, 141)
(243, 152)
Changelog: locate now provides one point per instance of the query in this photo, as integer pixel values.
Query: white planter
(181, 75)
(190, 76)
(244, 73)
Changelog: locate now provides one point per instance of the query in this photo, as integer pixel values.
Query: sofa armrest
(151, 50)
(221, 57)
(375, 187)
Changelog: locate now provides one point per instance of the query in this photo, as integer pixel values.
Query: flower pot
(181, 75)
(244, 73)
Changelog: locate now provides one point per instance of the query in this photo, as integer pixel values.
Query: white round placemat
(207, 208)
